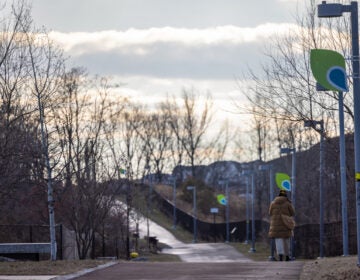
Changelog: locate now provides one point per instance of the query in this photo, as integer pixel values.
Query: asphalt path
(207, 252)
(194, 252)
(194, 271)
(199, 261)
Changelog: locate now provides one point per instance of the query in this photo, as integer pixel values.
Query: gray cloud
(152, 63)
(175, 61)
(97, 15)
(217, 53)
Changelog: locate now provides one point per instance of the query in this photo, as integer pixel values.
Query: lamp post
(247, 211)
(173, 180)
(293, 172)
(214, 211)
(315, 124)
(271, 198)
(148, 208)
(251, 173)
(293, 187)
(193, 188)
(343, 183)
(336, 10)
(226, 182)
(345, 229)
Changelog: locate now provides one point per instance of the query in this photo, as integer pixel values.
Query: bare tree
(284, 93)
(190, 123)
(88, 195)
(18, 145)
(156, 135)
(218, 144)
(46, 66)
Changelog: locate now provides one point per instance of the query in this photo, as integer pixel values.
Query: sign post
(328, 68)
(214, 211)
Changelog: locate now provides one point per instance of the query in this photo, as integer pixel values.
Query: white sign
(214, 210)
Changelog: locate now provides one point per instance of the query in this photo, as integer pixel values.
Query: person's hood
(281, 200)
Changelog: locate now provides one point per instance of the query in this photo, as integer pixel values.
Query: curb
(83, 272)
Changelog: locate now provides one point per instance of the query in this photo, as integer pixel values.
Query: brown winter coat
(277, 227)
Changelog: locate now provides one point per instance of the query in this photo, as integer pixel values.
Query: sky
(159, 47)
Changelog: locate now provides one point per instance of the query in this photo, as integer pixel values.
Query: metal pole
(252, 250)
(247, 212)
(150, 194)
(149, 210)
(214, 227)
(321, 241)
(271, 193)
(195, 230)
(333, 10)
(293, 178)
(174, 202)
(272, 241)
(293, 195)
(356, 88)
(128, 223)
(227, 211)
(343, 177)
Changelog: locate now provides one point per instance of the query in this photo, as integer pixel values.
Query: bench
(24, 250)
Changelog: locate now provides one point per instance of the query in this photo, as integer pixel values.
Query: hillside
(237, 205)
(307, 181)
(307, 195)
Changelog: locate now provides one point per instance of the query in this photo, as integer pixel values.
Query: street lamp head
(223, 181)
(287, 150)
(312, 123)
(264, 167)
(309, 123)
(247, 172)
(326, 10)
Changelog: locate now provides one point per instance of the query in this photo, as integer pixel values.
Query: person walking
(281, 212)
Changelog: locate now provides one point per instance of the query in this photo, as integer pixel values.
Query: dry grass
(66, 267)
(237, 205)
(262, 250)
(47, 267)
(335, 268)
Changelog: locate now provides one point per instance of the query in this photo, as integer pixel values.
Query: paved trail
(194, 271)
(213, 261)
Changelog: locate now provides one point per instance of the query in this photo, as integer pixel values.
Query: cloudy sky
(159, 47)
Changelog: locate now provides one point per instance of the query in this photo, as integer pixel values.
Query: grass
(47, 267)
(60, 267)
(161, 219)
(71, 266)
(160, 257)
(65, 267)
(180, 233)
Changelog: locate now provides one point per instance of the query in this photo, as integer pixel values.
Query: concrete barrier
(24, 248)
